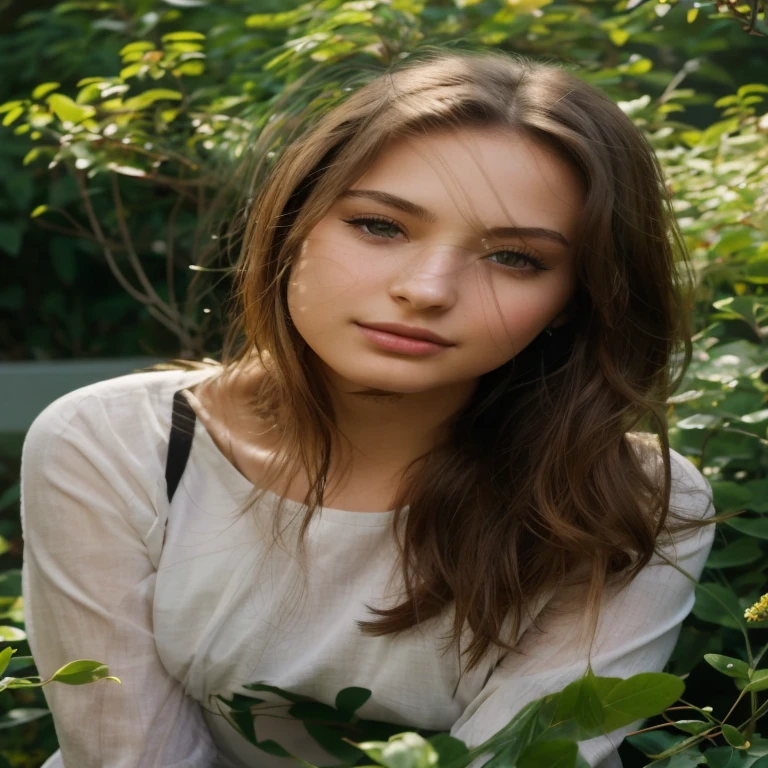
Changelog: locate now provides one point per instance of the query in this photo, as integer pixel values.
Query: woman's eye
(374, 228)
(377, 228)
(515, 259)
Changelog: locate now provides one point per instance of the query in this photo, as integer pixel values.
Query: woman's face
(424, 262)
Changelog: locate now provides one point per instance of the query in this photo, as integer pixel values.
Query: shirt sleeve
(88, 580)
(637, 630)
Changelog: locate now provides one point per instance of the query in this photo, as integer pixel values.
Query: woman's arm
(637, 632)
(88, 580)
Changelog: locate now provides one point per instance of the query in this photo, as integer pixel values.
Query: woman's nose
(428, 278)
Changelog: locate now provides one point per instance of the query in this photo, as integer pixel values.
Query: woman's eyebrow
(414, 209)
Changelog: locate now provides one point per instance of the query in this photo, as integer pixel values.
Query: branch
(129, 247)
(97, 230)
(169, 263)
(148, 301)
(80, 233)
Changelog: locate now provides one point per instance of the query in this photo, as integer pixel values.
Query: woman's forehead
(503, 178)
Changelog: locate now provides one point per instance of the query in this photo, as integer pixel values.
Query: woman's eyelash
(357, 222)
(534, 261)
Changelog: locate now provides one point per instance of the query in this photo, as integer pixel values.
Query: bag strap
(180, 441)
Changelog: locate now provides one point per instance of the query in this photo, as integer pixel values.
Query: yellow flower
(759, 611)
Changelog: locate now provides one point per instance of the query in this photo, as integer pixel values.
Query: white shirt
(180, 603)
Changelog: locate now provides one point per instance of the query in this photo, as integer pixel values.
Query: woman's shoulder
(690, 493)
(120, 412)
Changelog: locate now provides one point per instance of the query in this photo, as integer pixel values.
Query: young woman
(461, 306)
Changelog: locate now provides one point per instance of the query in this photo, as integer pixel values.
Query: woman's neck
(389, 430)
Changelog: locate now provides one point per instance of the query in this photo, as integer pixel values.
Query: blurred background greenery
(124, 123)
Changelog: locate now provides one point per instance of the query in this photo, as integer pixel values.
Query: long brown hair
(538, 479)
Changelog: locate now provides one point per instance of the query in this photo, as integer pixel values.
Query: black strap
(180, 441)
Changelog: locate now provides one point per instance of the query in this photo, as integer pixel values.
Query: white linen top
(170, 597)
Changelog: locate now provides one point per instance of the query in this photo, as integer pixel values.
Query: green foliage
(123, 123)
(544, 732)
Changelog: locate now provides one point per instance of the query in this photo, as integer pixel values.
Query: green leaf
(640, 67)
(190, 68)
(81, 672)
(12, 634)
(333, 743)
(12, 115)
(275, 20)
(271, 747)
(520, 731)
(349, 700)
(752, 526)
(67, 110)
(132, 70)
(718, 604)
(32, 155)
(730, 496)
(581, 702)
(698, 421)
(127, 170)
(728, 666)
(448, 747)
(244, 721)
(712, 135)
(5, 658)
(316, 710)
(9, 105)
(733, 736)
(175, 36)
(756, 417)
(759, 681)
(150, 97)
(15, 717)
(740, 552)
(759, 491)
(735, 239)
(184, 47)
(737, 308)
(752, 88)
(44, 89)
(693, 726)
(618, 36)
(684, 397)
(556, 753)
(639, 697)
(140, 46)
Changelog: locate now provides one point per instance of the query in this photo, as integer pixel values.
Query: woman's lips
(406, 345)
